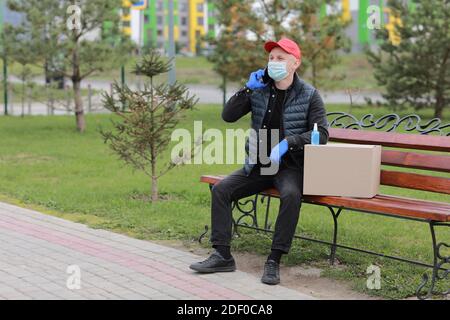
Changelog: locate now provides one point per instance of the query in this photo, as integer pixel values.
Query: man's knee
(291, 194)
(220, 189)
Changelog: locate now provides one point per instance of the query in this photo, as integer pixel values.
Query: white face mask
(277, 70)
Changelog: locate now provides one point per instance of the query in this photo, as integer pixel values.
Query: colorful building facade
(192, 20)
(126, 17)
(195, 18)
(361, 14)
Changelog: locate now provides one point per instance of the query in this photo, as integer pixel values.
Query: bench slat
(385, 204)
(390, 205)
(416, 160)
(391, 139)
(211, 179)
(415, 181)
(395, 179)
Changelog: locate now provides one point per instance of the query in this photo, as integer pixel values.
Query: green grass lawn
(189, 70)
(46, 164)
(353, 72)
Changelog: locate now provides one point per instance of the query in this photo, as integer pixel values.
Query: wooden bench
(405, 155)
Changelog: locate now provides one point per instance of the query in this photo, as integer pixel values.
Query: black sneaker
(215, 263)
(271, 273)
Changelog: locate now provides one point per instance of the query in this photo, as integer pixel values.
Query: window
(183, 21)
(159, 20)
(160, 32)
(183, 7)
(184, 33)
(200, 7)
(200, 21)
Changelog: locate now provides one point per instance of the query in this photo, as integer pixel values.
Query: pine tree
(416, 71)
(145, 126)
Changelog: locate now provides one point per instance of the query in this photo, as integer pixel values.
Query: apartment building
(362, 15)
(192, 20)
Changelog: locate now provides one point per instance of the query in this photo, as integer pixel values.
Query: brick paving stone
(36, 251)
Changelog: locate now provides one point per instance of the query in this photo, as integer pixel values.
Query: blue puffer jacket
(294, 116)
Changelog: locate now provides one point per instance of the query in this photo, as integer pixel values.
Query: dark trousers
(288, 181)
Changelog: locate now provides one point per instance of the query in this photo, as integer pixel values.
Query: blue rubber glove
(278, 151)
(255, 80)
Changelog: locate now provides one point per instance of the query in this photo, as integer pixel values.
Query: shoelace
(271, 268)
(210, 258)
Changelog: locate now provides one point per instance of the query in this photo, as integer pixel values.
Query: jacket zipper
(282, 113)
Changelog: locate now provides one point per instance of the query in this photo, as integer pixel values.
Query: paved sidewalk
(36, 251)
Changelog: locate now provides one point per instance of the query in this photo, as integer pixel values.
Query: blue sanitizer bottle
(315, 135)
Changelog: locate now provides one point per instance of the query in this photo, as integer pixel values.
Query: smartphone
(265, 77)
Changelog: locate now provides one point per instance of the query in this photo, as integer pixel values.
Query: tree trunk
(439, 105)
(76, 81)
(154, 189)
(224, 89)
(79, 112)
(440, 88)
(314, 74)
(23, 97)
(155, 195)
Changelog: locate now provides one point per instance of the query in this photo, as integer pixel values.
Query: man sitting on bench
(284, 109)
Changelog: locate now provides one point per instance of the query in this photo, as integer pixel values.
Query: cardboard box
(341, 169)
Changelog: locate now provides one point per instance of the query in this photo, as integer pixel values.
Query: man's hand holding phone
(256, 80)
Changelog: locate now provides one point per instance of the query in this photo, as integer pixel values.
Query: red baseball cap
(287, 45)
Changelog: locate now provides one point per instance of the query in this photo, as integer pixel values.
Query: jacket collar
(296, 84)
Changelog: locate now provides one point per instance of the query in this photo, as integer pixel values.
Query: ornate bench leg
(206, 226)
(441, 267)
(203, 234)
(335, 230)
(251, 213)
(267, 225)
(240, 206)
